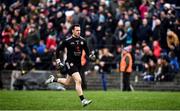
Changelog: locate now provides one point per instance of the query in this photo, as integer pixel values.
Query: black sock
(55, 80)
(81, 97)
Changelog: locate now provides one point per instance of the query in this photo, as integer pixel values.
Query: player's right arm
(60, 65)
(60, 48)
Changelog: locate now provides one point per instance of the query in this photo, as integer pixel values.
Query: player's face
(76, 31)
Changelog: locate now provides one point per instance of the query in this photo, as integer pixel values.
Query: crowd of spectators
(30, 31)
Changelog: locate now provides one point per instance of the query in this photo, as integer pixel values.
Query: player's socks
(81, 97)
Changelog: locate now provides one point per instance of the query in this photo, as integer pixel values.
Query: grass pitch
(68, 100)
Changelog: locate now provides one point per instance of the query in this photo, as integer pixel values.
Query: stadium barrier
(34, 80)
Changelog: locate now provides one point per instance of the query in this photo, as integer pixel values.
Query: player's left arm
(86, 49)
(90, 56)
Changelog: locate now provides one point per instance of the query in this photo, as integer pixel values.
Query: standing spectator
(33, 36)
(69, 18)
(51, 39)
(128, 33)
(107, 39)
(43, 29)
(143, 8)
(105, 64)
(126, 67)
(173, 43)
(144, 32)
(135, 23)
(119, 33)
(76, 16)
(93, 16)
(156, 49)
(84, 19)
(165, 25)
(90, 38)
(157, 31)
(7, 34)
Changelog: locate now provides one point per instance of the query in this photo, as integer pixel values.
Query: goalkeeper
(74, 45)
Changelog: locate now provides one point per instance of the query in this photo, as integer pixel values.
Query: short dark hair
(75, 25)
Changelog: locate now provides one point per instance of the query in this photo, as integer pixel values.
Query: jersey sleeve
(86, 49)
(60, 47)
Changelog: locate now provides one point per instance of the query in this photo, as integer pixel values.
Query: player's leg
(64, 81)
(77, 78)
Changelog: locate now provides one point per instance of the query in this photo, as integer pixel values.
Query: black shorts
(72, 68)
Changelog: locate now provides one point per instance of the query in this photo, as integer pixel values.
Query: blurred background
(30, 31)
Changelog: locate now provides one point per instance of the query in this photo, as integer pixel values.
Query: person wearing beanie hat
(126, 67)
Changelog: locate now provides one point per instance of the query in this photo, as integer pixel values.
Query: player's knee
(78, 81)
(67, 83)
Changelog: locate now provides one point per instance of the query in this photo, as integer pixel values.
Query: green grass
(68, 100)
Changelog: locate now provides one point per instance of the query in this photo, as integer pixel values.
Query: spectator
(91, 39)
(27, 24)
(105, 64)
(8, 51)
(138, 58)
(156, 49)
(144, 32)
(107, 40)
(51, 39)
(7, 35)
(143, 8)
(16, 58)
(156, 34)
(76, 15)
(33, 37)
(158, 70)
(135, 23)
(165, 74)
(177, 27)
(149, 62)
(41, 47)
(45, 59)
(174, 62)
(126, 67)
(128, 33)
(173, 42)
(119, 33)
(25, 64)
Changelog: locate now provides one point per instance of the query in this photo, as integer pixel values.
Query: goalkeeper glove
(92, 56)
(61, 67)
